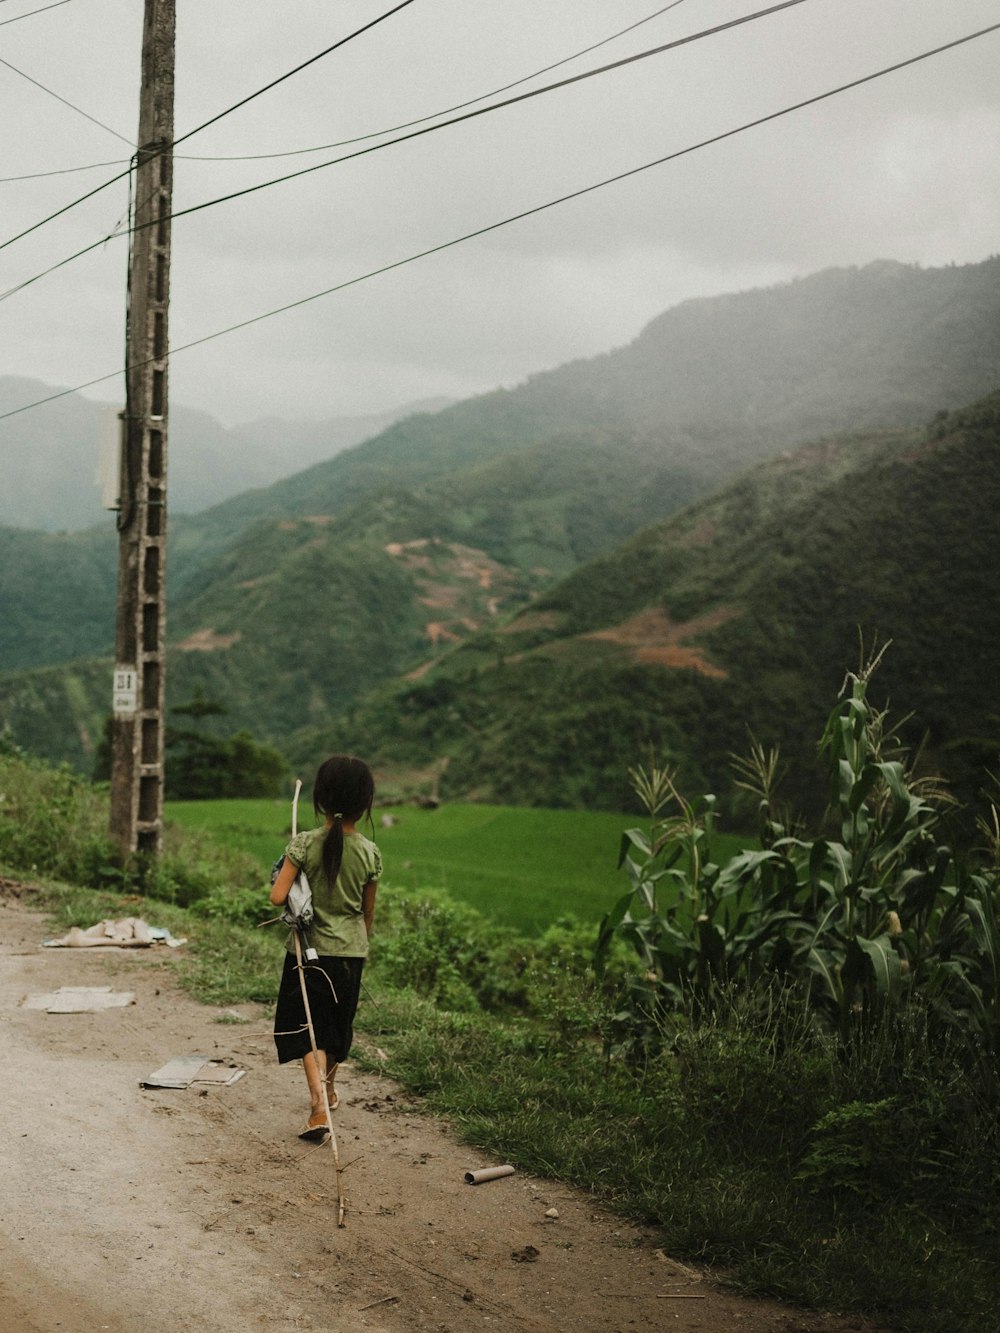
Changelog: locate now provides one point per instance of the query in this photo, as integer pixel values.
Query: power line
(446, 111)
(297, 70)
(374, 134)
(236, 105)
(72, 107)
(31, 13)
(530, 212)
(427, 129)
(509, 101)
(62, 171)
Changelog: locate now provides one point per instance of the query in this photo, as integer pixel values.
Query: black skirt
(333, 985)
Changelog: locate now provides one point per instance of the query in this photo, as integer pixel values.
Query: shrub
(448, 952)
(559, 985)
(55, 824)
(757, 1073)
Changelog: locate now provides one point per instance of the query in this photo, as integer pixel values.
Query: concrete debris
(129, 932)
(79, 1000)
(184, 1070)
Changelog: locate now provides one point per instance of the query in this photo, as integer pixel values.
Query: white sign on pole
(109, 457)
(124, 694)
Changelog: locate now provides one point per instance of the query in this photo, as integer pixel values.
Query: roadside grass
(502, 1035)
(231, 964)
(522, 868)
(866, 1185)
(639, 1143)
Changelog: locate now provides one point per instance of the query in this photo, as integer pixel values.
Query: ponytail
(333, 849)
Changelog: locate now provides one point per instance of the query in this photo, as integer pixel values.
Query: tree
(201, 767)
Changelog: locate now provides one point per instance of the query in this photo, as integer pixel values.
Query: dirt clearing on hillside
(127, 1209)
(652, 637)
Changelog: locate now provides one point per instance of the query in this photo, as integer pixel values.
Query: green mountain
(302, 616)
(291, 603)
(742, 612)
(708, 387)
(57, 595)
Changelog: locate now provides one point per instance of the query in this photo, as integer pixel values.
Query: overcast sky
(903, 168)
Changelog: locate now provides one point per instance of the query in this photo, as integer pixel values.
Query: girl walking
(343, 868)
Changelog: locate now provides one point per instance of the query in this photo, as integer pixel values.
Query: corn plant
(858, 917)
(689, 921)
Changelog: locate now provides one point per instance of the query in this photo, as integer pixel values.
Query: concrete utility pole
(140, 647)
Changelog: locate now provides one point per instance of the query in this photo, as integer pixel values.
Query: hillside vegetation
(740, 613)
(57, 595)
(707, 387)
(292, 603)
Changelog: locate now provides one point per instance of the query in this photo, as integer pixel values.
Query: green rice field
(520, 867)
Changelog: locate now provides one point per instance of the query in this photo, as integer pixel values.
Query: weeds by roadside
(54, 825)
(712, 1145)
(858, 1178)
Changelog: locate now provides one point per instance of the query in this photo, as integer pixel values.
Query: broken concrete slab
(183, 1070)
(79, 999)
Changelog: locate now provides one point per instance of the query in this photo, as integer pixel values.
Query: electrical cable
(86, 115)
(427, 129)
(446, 111)
(297, 70)
(32, 12)
(62, 171)
(236, 105)
(530, 212)
(374, 134)
(509, 101)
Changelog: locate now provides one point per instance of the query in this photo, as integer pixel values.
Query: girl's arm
(286, 878)
(368, 903)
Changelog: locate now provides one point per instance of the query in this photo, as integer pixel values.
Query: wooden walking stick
(298, 934)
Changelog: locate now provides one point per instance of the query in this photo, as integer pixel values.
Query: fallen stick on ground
(658, 1295)
(384, 1301)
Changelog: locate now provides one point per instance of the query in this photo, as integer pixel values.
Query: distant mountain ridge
(376, 560)
(744, 374)
(706, 388)
(50, 455)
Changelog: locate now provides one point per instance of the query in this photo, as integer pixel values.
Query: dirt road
(125, 1209)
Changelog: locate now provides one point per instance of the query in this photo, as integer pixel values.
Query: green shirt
(338, 923)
